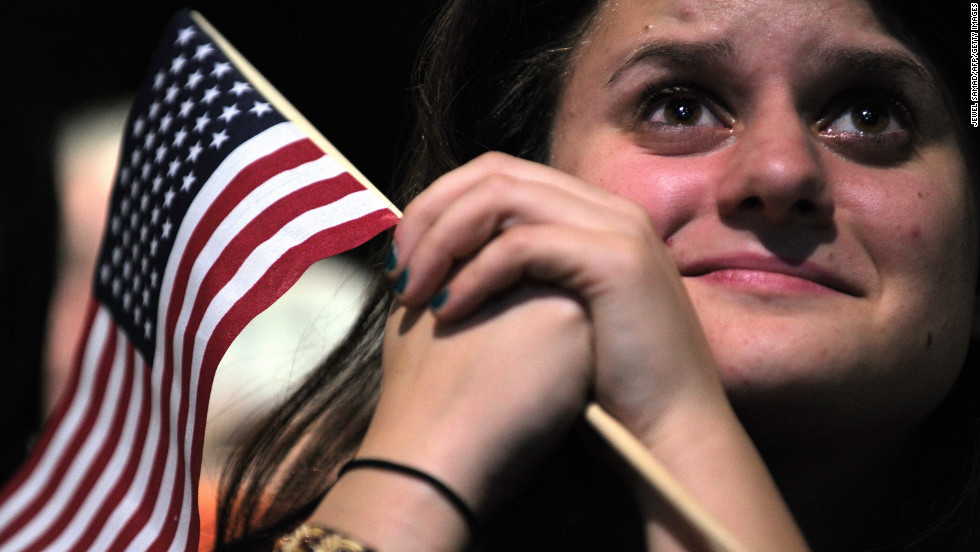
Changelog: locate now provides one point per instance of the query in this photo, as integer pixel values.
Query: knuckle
(493, 160)
(638, 225)
(412, 211)
(567, 311)
(517, 241)
(637, 214)
(554, 309)
(499, 185)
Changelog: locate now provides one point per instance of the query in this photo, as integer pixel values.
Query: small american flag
(224, 195)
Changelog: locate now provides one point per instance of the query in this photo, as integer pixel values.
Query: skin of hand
(461, 407)
(499, 221)
(552, 289)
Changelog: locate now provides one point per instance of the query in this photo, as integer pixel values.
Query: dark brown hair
(488, 78)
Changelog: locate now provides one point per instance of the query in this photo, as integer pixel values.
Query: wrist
(454, 500)
(392, 513)
(708, 452)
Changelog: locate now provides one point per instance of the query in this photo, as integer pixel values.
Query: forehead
(714, 16)
(768, 32)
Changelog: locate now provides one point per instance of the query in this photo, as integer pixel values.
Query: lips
(762, 273)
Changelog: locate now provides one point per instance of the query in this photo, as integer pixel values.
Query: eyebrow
(874, 64)
(870, 63)
(688, 54)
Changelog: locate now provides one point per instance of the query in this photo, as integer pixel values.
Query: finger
(486, 210)
(431, 203)
(544, 253)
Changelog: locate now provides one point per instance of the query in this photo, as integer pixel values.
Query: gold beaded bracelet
(307, 538)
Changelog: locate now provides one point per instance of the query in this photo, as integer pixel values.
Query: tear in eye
(683, 111)
(865, 117)
(870, 131)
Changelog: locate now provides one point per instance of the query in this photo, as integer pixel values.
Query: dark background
(345, 65)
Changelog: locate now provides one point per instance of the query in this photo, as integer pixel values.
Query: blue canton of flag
(200, 107)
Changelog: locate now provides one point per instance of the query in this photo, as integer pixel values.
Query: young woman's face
(798, 162)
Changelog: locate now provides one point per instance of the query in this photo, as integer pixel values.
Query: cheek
(920, 236)
(914, 225)
(671, 189)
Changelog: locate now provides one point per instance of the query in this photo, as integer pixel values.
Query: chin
(811, 393)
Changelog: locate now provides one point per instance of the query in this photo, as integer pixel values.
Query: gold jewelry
(307, 538)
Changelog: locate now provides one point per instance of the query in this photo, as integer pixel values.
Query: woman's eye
(676, 120)
(870, 131)
(865, 117)
(683, 111)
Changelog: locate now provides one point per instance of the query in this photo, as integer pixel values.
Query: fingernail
(439, 299)
(391, 261)
(401, 282)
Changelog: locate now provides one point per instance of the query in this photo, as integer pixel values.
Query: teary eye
(680, 119)
(865, 117)
(683, 111)
(870, 130)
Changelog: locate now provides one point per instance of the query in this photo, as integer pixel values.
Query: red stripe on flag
(69, 452)
(244, 182)
(257, 231)
(98, 466)
(126, 476)
(285, 271)
(57, 416)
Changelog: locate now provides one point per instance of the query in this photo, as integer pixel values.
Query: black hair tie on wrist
(457, 503)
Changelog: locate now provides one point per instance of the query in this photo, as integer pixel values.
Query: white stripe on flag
(82, 461)
(257, 147)
(231, 227)
(130, 502)
(82, 401)
(108, 480)
(350, 207)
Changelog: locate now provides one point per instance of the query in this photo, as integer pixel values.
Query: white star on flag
(220, 69)
(229, 112)
(185, 107)
(172, 92)
(202, 52)
(240, 88)
(201, 122)
(177, 64)
(218, 138)
(184, 35)
(210, 94)
(194, 78)
(260, 108)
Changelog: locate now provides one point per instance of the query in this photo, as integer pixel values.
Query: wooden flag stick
(653, 472)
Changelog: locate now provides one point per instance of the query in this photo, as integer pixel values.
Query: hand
(472, 402)
(500, 221)
(461, 402)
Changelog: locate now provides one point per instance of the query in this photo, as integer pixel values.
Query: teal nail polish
(439, 299)
(401, 282)
(391, 261)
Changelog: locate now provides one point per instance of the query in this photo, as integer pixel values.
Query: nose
(776, 175)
